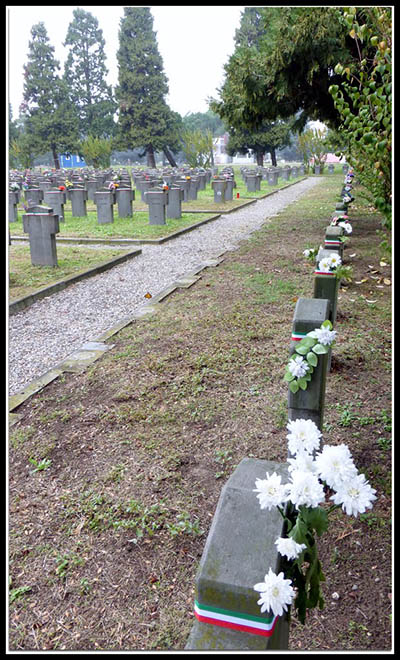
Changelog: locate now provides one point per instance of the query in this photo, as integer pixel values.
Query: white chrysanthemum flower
(270, 491)
(325, 265)
(356, 496)
(303, 462)
(305, 490)
(276, 593)
(346, 226)
(289, 548)
(307, 253)
(303, 436)
(323, 335)
(335, 465)
(298, 367)
(335, 260)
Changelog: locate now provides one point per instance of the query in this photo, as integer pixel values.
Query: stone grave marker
(157, 201)
(56, 200)
(309, 314)
(42, 226)
(124, 197)
(105, 200)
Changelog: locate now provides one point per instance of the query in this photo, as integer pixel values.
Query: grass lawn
(24, 278)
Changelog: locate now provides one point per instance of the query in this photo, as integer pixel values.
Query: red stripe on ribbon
(236, 626)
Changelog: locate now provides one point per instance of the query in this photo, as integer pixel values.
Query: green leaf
(288, 376)
(312, 359)
(293, 386)
(327, 324)
(317, 518)
(302, 383)
(301, 350)
(308, 341)
(320, 349)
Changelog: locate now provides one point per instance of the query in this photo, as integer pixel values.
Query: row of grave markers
(240, 545)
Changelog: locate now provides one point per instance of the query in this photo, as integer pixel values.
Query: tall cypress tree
(85, 73)
(145, 120)
(49, 116)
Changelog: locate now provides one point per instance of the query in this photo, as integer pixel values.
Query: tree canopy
(287, 71)
(50, 119)
(85, 74)
(145, 120)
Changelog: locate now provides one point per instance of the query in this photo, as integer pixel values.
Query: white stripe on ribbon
(235, 620)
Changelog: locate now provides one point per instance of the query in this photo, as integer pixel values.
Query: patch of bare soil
(115, 473)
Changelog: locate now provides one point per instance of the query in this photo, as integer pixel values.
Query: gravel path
(44, 334)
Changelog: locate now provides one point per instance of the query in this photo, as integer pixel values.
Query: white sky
(194, 43)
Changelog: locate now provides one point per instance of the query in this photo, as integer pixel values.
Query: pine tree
(85, 74)
(145, 120)
(49, 117)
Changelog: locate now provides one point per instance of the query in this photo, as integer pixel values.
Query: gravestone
(42, 226)
(78, 197)
(13, 198)
(175, 199)
(332, 241)
(309, 314)
(124, 197)
(230, 185)
(105, 200)
(193, 188)
(92, 186)
(253, 182)
(272, 177)
(157, 201)
(219, 187)
(239, 551)
(294, 171)
(184, 185)
(317, 169)
(56, 200)
(326, 285)
(33, 196)
(286, 173)
(331, 168)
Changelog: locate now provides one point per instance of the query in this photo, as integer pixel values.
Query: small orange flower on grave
(148, 295)
(61, 187)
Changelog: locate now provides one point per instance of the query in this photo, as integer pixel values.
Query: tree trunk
(168, 155)
(260, 158)
(273, 157)
(151, 161)
(56, 159)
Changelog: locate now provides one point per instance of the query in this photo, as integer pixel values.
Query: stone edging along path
(91, 350)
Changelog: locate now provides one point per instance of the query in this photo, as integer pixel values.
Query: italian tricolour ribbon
(323, 272)
(298, 336)
(248, 623)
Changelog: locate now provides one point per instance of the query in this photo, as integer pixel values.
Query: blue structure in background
(71, 160)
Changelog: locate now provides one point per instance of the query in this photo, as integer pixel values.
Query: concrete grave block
(157, 201)
(42, 226)
(56, 200)
(124, 197)
(219, 187)
(175, 199)
(78, 197)
(105, 200)
(332, 239)
(326, 285)
(238, 553)
(309, 314)
(13, 198)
